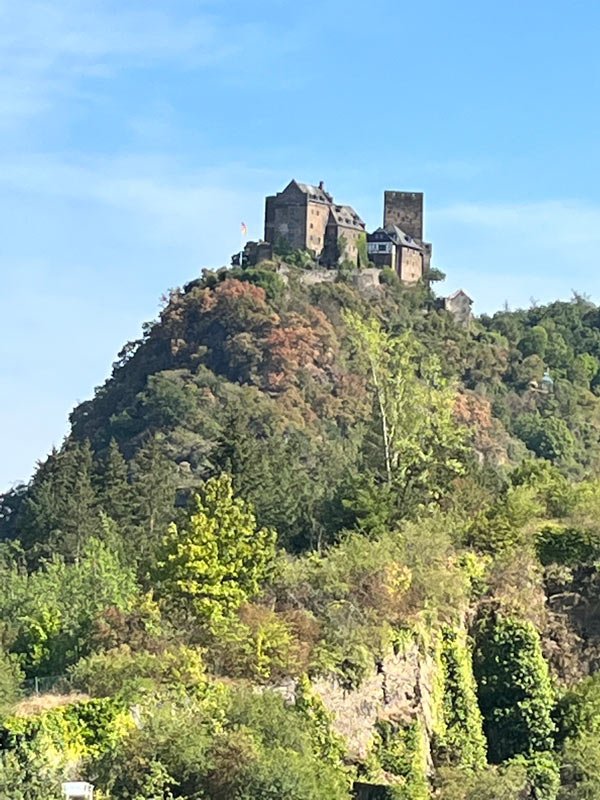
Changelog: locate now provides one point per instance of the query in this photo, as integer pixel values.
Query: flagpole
(243, 234)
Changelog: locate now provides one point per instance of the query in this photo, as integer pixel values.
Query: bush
(272, 283)
(254, 748)
(568, 546)
(400, 751)
(515, 693)
(258, 645)
(11, 678)
(461, 741)
(124, 673)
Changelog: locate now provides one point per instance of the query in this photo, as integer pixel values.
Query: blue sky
(135, 135)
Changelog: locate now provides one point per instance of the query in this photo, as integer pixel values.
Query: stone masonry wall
(404, 209)
(365, 280)
(411, 269)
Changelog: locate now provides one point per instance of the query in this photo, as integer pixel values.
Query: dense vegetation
(285, 488)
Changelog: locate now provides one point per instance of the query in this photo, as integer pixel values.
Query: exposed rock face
(399, 690)
(571, 639)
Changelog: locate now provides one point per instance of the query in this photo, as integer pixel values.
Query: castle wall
(411, 265)
(332, 255)
(317, 216)
(404, 209)
(365, 280)
(286, 218)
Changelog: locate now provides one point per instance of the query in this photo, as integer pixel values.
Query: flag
(244, 229)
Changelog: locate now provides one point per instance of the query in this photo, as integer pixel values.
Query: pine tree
(60, 513)
(153, 489)
(113, 488)
(219, 559)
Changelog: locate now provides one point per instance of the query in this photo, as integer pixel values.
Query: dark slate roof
(396, 235)
(346, 217)
(314, 192)
(458, 293)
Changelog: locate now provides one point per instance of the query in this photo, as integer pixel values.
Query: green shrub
(127, 674)
(400, 751)
(272, 283)
(515, 693)
(461, 741)
(11, 678)
(258, 644)
(566, 545)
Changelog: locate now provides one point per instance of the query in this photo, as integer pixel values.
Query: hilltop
(316, 536)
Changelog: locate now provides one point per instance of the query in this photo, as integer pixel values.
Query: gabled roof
(398, 237)
(315, 193)
(346, 217)
(458, 293)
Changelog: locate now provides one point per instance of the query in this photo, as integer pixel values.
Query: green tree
(153, 490)
(52, 609)
(26, 775)
(219, 559)
(60, 512)
(112, 487)
(507, 782)
(580, 767)
(515, 692)
(534, 342)
(11, 677)
(362, 251)
(417, 447)
(548, 437)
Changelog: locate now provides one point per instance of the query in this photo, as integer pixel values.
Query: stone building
(405, 210)
(253, 253)
(391, 247)
(343, 233)
(305, 217)
(459, 305)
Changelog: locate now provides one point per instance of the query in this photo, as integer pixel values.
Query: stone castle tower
(405, 210)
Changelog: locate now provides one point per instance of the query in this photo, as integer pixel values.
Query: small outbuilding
(459, 305)
(78, 790)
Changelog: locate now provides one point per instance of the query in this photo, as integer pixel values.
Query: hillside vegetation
(283, 488)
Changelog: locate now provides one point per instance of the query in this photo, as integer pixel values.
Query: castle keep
(405, 211)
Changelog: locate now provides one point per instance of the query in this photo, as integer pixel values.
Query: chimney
(321, 185)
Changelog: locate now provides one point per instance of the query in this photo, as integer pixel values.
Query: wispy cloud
(78, 207)
(550, 223)
(514, 252)
(48, 48)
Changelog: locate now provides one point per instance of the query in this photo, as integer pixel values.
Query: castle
(306, 217)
